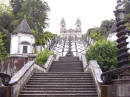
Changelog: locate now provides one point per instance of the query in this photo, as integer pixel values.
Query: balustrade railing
(18, 80)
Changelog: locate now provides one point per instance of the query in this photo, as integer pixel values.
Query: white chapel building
(22, 40)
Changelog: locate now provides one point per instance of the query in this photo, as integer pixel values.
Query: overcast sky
(90, 12)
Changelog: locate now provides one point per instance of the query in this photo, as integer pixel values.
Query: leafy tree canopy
(17, 6)
(6, 21)
(102, 32)
(43, 56)
(44, 38)
(105, 52)
(36, 14)
(3, 53)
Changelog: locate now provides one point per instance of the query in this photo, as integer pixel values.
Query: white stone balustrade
(23, 75)
(95, 70)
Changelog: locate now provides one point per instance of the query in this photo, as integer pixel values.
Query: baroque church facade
(77, 32)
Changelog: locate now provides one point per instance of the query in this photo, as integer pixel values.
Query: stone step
(73, 61)
(60, 89)
(58, 95)
(62, 81)
(66, 73)
(61, 76)
(60, 86)
(62, 62)
(58, 92)
(69, 60)
(45, 75)
(32, 83)
(67, 65)
(60, 58)
(65, 70)
(69, 57)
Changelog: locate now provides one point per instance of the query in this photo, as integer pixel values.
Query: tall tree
(3, 53)
(6, 19)
(17, 6)
(107, 24)
(36, 13)
(99, 33)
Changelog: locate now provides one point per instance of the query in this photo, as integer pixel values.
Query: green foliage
(17, 6)
(105, 52)
(102, 32)
(44, 38)
(106, 25)
(6, 27)
(36, 14)
(95, 34)
(127, 14)
(127, 17)
(3, 53)
(43, 56)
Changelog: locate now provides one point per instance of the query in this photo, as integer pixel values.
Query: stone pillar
(122, 85)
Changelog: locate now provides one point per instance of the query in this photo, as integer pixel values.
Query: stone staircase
(65, 79)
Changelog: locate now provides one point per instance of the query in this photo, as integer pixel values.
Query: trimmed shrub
(43, 56)
(105, 52)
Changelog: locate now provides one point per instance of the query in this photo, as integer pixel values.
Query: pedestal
(106, 90)
(5, 91)
(122, 87)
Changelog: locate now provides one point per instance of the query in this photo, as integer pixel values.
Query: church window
(25, 49)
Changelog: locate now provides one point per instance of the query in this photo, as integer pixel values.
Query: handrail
(26, 67)
(22, 76)
(96, 72)
(21, 73)
(84, 61)
(48, 63)
(93, 65)
(107, 77)
(94, 68)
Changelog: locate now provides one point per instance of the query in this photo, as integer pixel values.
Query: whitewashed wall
(17, 48)
(113, 37)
